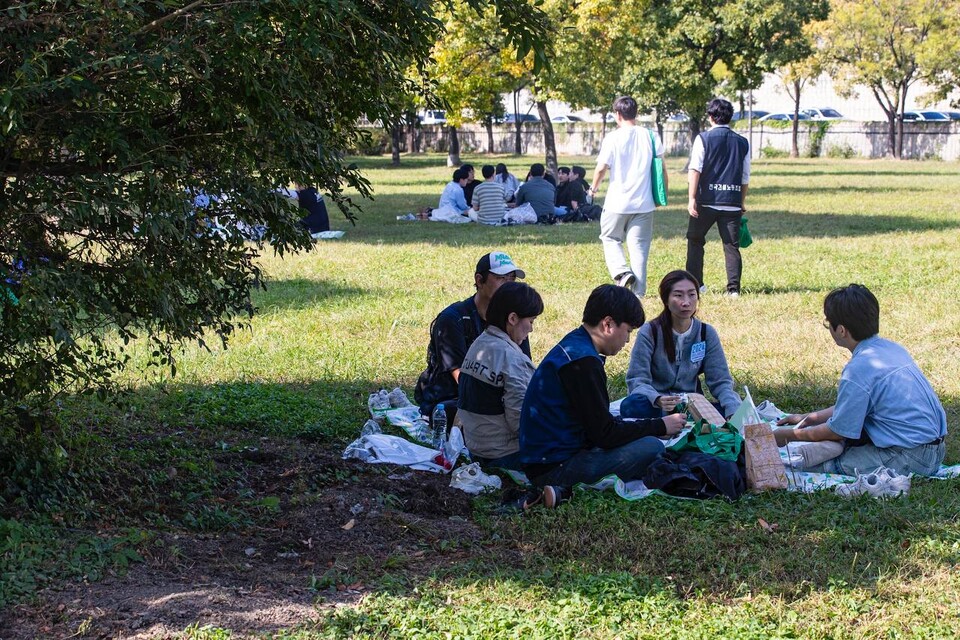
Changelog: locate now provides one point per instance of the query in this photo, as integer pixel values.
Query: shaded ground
(319, 548)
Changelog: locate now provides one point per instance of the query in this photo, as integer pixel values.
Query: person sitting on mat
(887, 413)
(673, 352)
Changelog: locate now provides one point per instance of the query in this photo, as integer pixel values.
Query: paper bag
(764, 467)
(702, 409)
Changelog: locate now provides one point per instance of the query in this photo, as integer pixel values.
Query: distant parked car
(823, 114)
(745, 115)
(953, 115)
(434, 116)
(521, 117)
(680, 116)
(924, 116)
(784, 117)
(566, 118)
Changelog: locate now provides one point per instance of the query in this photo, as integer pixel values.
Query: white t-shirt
(628, 153)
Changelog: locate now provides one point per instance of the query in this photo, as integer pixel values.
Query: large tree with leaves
(114, 116)
(680, 46)
(890, 45)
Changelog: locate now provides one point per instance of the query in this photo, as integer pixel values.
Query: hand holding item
(668, 403)
(675, 422)
(793, 418)
(783, 436)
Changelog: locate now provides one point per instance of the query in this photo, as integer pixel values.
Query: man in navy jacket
(567, 433)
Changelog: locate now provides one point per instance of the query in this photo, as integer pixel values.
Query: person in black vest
(455, 329)
(718, 177)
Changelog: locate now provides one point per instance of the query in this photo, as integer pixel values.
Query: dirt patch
(337, 527)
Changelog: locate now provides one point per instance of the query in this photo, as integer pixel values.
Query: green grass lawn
(352, 316)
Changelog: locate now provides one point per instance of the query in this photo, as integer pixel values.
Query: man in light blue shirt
(453, 195)
(886, 412)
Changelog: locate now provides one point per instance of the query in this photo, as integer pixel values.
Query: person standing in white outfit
(627, 153)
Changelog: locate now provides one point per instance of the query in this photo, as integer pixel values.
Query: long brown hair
(665, 320)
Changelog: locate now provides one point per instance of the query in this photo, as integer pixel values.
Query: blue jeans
(511, 461)
(637, 406)
(924, 460)
(627, 462)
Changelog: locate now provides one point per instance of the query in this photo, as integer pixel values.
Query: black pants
(728, 224)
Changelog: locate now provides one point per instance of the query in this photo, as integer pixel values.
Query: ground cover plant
(215, 504)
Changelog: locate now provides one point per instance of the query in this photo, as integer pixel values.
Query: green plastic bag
(656, 175)
(745, 238)
(724, 442)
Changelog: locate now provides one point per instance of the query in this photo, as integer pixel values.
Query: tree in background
(679, 45)
(795, 77)
(890, 45)
(468, 73)
(129, 129)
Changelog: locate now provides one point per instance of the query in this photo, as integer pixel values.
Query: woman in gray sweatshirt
(672, 351)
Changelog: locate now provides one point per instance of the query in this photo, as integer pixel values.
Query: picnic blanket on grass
(382, 448)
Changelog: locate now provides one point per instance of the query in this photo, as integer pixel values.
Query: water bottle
(439, 426)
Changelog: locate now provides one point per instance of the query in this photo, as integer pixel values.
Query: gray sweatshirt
(651, 374)
(493, 382)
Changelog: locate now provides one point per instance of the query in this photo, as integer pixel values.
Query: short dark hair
(626, 107)
(487, 170)
(467, 168)
(537, 170)
(502, 169)
(459, 174)
(579, 171)
(563, 170)
(513, 297)
(854, 307)
(619, 303)
(720, 110)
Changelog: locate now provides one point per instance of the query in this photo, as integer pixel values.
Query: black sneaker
(554, 496)
(514, 504)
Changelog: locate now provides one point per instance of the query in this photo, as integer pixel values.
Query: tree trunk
(411, 132)
(794, 148)
(491, 148)
(396, 131)
(549, 141)
(694, 129)
(892, 119)
(453, 154)
(903, 106)
(518, 139)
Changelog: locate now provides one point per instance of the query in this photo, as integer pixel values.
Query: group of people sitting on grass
(553, 420)
(488, 201)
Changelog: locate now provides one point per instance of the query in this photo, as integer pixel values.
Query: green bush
(844, 150)
(772, 152)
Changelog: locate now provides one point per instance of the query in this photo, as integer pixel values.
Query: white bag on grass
(523, 214)
(448, 214)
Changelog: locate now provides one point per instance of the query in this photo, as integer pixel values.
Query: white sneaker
(398, 399)
(897, 484)
(882, 483)
(703, 289)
